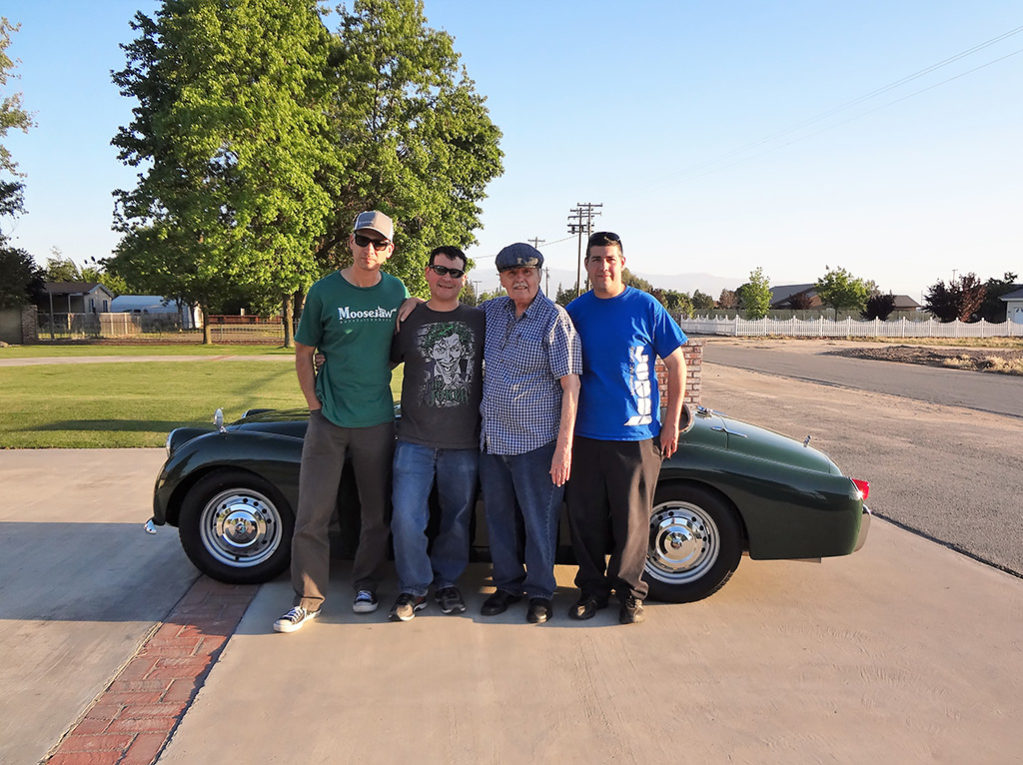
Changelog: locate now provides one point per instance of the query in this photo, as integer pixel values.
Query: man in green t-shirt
(349, 315)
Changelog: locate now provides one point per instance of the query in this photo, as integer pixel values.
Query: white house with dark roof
(1014, 305)
(76, 297)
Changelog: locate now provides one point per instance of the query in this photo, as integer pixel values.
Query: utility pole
(581, 222)
(536, 242)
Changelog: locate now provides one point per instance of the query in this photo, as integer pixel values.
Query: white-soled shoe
(365, 602)
(294, 619)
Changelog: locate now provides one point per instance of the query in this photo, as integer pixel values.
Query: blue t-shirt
(621, 338)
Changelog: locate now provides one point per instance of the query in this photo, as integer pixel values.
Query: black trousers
(610, 497)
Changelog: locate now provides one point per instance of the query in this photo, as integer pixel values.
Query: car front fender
(272, 456)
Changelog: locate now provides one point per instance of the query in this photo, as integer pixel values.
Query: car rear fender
(787, 511)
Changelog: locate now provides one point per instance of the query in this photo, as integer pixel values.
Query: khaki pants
(323, 458)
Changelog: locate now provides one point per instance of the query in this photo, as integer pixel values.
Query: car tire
(236, 527)
(696, 541)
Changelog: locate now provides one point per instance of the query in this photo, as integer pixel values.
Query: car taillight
(863, 486)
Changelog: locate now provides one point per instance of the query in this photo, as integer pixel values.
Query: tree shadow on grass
(137, 426)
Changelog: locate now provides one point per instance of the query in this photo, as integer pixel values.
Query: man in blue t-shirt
(618, 435)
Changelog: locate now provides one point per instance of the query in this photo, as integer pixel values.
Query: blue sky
(720, 137)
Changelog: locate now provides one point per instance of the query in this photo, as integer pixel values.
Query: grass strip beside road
(134, 404)
(59, 350)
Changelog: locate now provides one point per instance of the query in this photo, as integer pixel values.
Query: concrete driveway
(904, 652)
(81, 585)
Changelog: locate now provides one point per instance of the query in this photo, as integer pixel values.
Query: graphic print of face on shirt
(448, 346)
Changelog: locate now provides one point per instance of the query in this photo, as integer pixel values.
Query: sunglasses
(454, 273)
(603, 239)
(365, 241)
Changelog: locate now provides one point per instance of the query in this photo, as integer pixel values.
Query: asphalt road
(952, 473)
(817, 362)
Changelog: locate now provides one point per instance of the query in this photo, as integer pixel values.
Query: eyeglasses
(454, 273)
(378, 244)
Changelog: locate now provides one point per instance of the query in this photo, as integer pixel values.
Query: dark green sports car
(730, 488)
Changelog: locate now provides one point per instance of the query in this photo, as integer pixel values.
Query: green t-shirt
(352, 326)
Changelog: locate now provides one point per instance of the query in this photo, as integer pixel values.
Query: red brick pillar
(693, 353)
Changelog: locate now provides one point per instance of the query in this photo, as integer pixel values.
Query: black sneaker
(631, 611)
(294, 619)
(405, 607)
(450, 600)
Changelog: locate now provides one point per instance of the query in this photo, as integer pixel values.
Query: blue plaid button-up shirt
(524, 360)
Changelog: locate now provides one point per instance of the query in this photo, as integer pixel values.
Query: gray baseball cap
(375, 221)
(519, 255)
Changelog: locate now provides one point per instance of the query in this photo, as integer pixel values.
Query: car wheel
(236, 527)
(695, 543)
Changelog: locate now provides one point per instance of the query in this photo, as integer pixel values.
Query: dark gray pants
(609, 504)
(323, 458)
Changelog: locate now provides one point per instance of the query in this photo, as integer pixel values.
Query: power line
(713, 165)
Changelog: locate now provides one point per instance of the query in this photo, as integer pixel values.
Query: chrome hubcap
(241, 527)
(684, 542)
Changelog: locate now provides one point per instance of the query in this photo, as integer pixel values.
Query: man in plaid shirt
(533, 360)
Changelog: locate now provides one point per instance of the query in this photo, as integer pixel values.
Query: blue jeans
(522, 505)
(415, 467)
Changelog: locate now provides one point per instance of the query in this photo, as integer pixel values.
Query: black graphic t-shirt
(443, 383)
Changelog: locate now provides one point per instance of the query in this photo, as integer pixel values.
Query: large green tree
(12, 115)
(755, 295)
(415, 138)
(232, 134)
(840, 289)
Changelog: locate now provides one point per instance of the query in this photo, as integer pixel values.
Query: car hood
(756, 442)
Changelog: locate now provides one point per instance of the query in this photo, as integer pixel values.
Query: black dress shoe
(587, 606)
(539, 610)
(498, 603)
(631, 611)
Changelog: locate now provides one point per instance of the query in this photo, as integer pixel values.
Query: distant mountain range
(706, 283)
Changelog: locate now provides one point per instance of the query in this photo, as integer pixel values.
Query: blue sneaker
(365, 602)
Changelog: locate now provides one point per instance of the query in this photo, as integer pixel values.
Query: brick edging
(132, 720)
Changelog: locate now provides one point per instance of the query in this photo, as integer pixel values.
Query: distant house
(188, 316)
(782, 297)
(1014, 305)
(75, 297)
(906, 303)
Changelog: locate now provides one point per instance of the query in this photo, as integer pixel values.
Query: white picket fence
(821, 327)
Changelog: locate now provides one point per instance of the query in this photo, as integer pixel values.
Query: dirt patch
(973, 359)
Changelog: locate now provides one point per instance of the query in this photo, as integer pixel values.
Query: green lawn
(135, 404)
(176, 349)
